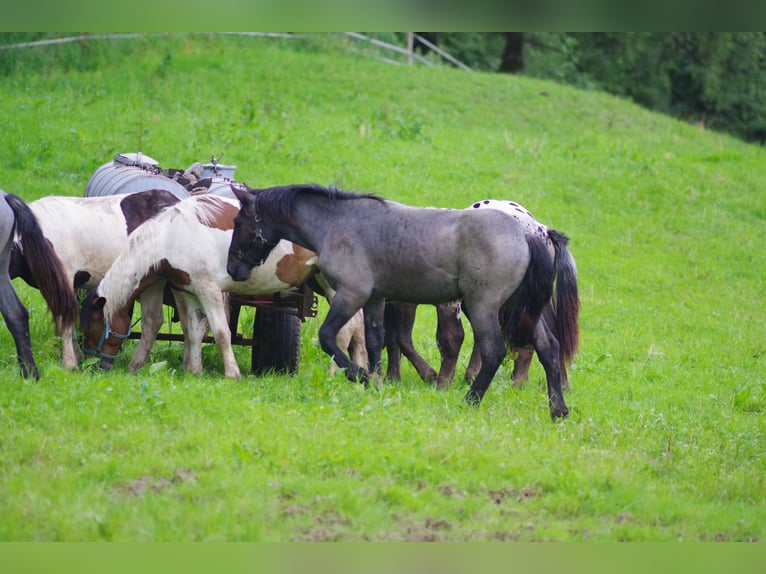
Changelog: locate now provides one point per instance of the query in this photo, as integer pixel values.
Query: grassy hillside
(666, 436)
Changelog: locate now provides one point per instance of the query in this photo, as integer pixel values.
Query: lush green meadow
(666, 437)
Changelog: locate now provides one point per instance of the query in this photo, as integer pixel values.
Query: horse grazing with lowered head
(186, 245)
(87, 234)
(400, 319)
(371, 250)
(17, 220)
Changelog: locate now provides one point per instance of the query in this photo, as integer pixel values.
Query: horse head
(253, 238)
(102, 338)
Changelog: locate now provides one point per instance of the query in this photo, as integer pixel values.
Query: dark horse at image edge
(371, 250)
(45, 273)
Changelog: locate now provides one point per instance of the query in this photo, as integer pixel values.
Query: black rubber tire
(277, 342)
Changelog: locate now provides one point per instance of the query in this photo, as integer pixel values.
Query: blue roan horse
(45, 272)
(371, 250)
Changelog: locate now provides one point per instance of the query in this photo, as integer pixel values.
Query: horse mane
(146, 248)
(278, 202)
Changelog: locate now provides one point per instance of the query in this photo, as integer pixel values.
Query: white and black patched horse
(45, 272)
(371, 250)
(185, 245)
(86, 235)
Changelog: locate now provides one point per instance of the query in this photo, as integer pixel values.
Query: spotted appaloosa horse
(562, 311)
(372, 250)
(400, 318)
(43, 267)
(186, 245)
(87, 234)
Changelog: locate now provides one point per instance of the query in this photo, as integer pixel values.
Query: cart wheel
(276, 342)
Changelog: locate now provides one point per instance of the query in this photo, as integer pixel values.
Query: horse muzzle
(238, 270)
(107, 358)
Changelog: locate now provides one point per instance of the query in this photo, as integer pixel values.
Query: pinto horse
(371, 250)
(400, 319)
(42, 265)
(87, 234)
(185, 246)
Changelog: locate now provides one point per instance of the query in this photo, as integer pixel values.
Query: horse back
(490, 239)
(88, 233)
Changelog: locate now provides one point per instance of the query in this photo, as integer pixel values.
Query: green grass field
(666, 436)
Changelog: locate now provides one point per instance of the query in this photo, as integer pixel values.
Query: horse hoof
(559, 413)
(358, 376)
(442, 384)
(473, 398)
(32, 372)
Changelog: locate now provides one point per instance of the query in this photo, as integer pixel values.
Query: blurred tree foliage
(717, 79)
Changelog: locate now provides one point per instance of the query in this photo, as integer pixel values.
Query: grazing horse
(186, 246)
(43, 266)
(400, 318)
(87, 234)
(371, 250)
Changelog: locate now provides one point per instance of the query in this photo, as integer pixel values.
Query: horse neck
(314, 217)
(131, 270)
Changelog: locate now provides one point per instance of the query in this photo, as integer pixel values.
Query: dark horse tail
(531, 296)
(43, 263)
(567, 301)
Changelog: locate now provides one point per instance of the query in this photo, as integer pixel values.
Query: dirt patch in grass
(156, 484)
(518, 494)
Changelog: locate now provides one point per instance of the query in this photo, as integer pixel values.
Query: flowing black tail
(44, 265)
(531, 296)
(567, 301)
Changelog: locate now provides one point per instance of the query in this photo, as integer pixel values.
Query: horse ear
(243, 195)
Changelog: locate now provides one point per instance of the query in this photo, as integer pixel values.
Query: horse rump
(43, 263)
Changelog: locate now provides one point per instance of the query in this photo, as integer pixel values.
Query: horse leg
(474, 364)
(70, 352)
(214, 302)
(151, 321)
(194, 325)
(426, 371)
(449, 338)
(351, 339)
(69, 356)
(547, 348)
(404, 316)
(565, 385)
(374, 334)
(549, 316)
(358, 344)
(489, 339)
(392, 324)
(342, 308)
(17, 319)
(521, 364)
